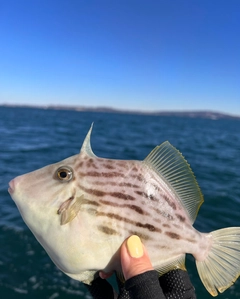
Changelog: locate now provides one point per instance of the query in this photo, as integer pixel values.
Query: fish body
(81, 210)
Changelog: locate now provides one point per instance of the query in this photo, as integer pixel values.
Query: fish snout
(13, 185)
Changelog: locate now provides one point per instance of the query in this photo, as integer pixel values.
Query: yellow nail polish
(134, 246)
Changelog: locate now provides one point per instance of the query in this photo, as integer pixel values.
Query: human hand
(142, 281)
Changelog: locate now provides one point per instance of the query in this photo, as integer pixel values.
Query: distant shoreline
(192, 114)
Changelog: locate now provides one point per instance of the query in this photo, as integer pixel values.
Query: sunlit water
(32, 138)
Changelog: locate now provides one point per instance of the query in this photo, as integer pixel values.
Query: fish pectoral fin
(67, 215)
(178, 263)
(171, 166)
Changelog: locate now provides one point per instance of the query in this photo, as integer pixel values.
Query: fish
(82, 208)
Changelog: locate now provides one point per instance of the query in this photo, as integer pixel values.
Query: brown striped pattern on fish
(115, 187)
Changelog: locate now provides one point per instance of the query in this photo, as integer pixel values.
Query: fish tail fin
(220, 269)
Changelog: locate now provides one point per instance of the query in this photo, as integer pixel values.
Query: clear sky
(127, 54)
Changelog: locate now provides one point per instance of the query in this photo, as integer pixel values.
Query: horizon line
(191, 113)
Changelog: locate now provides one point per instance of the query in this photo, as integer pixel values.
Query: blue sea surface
(32, 138)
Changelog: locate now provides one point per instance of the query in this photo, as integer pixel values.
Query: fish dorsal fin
(86, 147)
(169, 163)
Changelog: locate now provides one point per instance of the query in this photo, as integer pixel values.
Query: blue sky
(128, 54)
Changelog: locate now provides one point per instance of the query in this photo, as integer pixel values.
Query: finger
(141, 279)
(104, 275)
(134, 257)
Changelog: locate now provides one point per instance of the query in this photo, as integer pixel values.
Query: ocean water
(33, 138)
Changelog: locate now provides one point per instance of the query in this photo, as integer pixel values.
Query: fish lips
(11, 187)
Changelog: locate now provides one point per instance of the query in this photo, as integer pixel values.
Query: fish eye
(64, 174)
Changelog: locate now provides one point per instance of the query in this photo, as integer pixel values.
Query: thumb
(134, 257)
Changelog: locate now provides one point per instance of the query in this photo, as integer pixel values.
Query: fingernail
(134, 246)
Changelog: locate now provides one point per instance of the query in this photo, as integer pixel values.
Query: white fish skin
(82, 208)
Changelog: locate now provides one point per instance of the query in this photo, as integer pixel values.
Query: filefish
(82, 209)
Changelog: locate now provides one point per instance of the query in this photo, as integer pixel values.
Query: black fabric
(123, 293)
(145, 286)
(176, 284)
(173, 285)
(100, 289)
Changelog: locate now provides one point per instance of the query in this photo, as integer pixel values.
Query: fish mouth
(11, 187)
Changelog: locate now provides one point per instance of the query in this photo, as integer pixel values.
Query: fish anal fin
(67, 215)
(177, 263)
(86, 146)
(171, 166)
